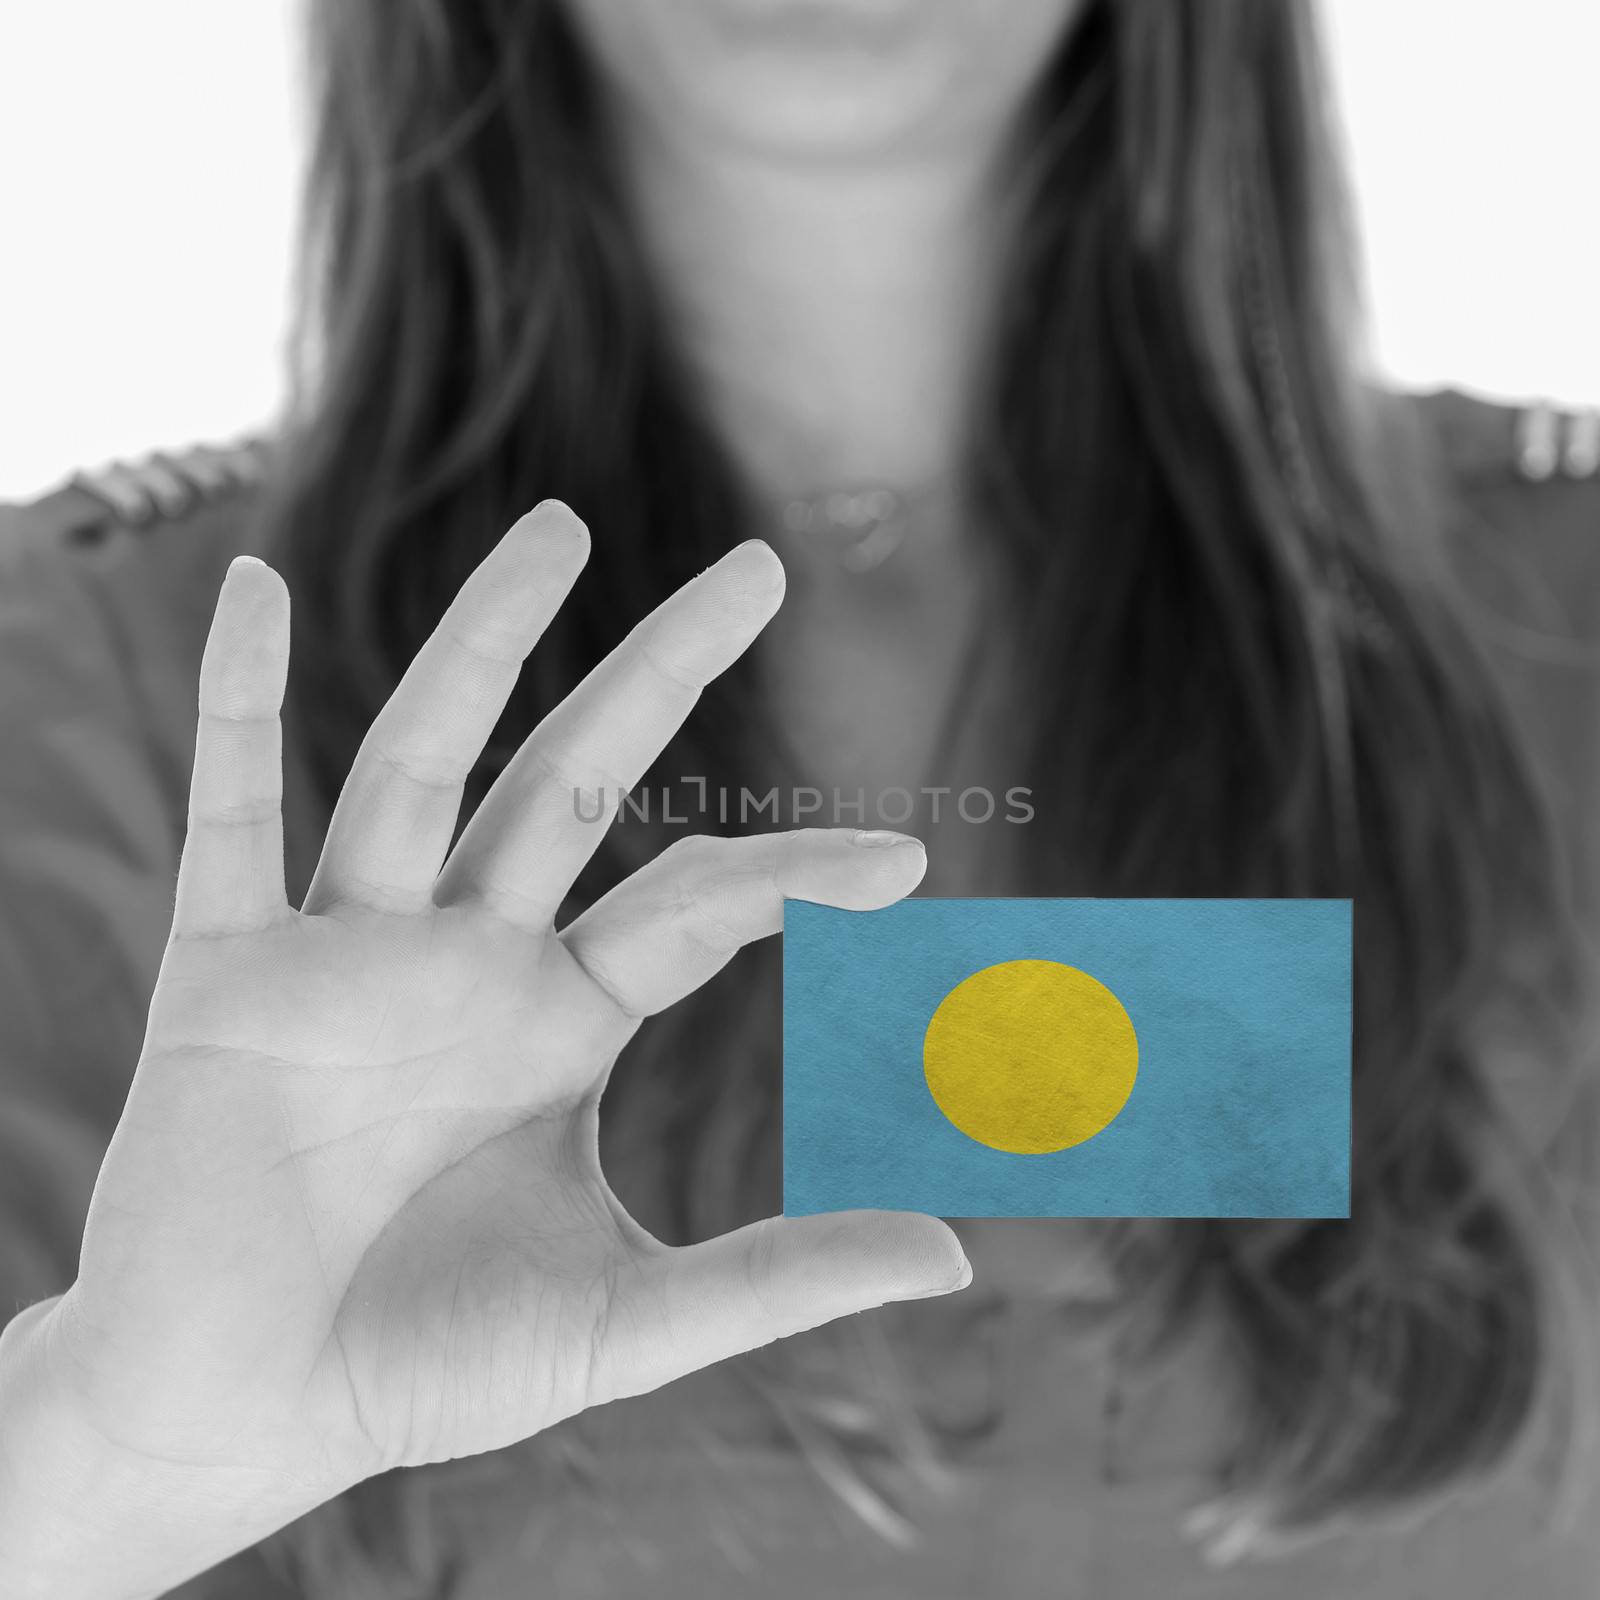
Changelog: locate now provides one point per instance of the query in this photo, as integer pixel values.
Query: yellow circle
(1030, 1056)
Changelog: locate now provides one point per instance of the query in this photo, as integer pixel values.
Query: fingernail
(881, 839)
(963, 1278)
(555, 518)
(239, 568)
(773, 579)
(746, 549)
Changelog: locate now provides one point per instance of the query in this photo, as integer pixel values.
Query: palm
(354, 1216)
(421, 1134)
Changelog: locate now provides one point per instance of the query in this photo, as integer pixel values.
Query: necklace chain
(862, 527)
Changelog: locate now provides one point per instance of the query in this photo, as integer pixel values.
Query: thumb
(690, 1307)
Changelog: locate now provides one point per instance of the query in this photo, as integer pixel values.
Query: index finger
(398, 809)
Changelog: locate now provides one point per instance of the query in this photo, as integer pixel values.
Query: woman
(1058, 307)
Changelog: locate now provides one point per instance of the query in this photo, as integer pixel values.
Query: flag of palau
(1068, 1058)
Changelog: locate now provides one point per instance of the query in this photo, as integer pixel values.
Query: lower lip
(824, 23)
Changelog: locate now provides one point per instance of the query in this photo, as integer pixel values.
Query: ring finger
(398, 809)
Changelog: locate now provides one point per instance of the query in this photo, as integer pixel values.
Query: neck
(830, 311)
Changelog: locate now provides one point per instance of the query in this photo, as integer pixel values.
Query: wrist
(82, 1517)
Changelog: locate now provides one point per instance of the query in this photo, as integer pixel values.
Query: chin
(822, 76)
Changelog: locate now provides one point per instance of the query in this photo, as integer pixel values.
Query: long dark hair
(1260, 655)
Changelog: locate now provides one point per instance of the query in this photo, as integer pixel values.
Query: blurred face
(821, 77)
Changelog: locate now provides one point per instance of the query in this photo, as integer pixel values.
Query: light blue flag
(1066, 1058)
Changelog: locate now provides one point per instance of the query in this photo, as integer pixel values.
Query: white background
(149, 156)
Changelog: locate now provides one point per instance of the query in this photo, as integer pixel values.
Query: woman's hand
(353, 1216)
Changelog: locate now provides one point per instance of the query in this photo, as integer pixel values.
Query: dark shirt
(106, 592)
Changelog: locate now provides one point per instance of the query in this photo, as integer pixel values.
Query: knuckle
(692, 853)
(660, 664)
(418, 767)
(762, 1264)
(251, 811)
(693, 919)
(484, 640)
(787, 861)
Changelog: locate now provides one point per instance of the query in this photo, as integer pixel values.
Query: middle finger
(549, 809)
